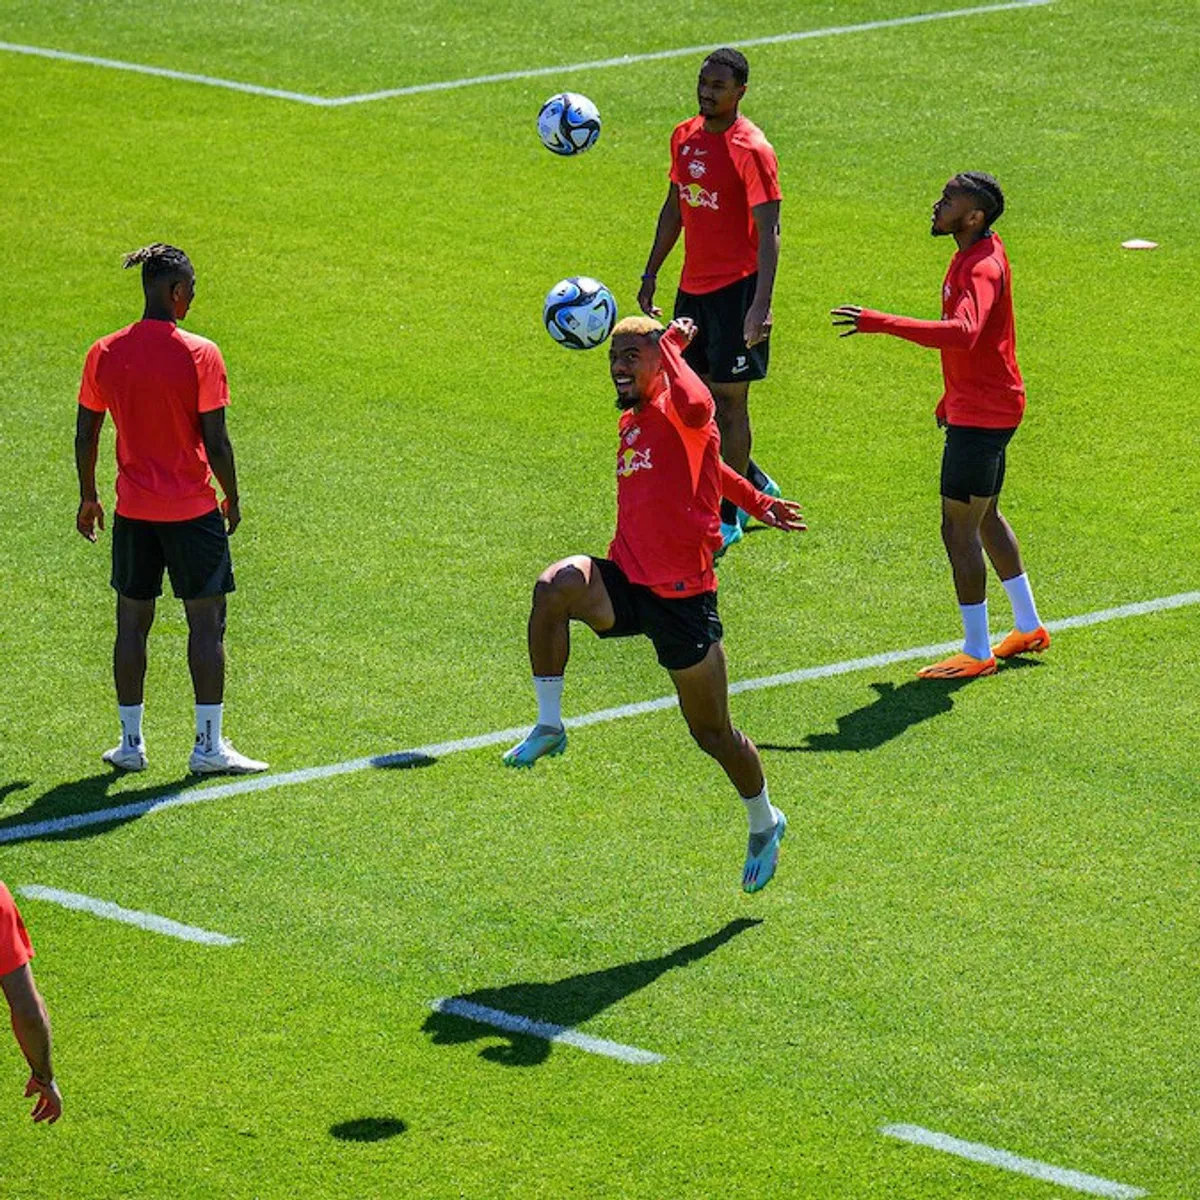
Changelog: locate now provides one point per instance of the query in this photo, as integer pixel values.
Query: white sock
(975, 629)
(549, 690)
(1020, 596)
(208, 727)
(131, 725)
(760, 811)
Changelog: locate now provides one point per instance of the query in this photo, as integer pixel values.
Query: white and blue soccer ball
(568, 123)
(579, 312)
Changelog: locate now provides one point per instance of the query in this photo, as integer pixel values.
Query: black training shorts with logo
(681, 630)
(195, 554)
(973, 461)
(719, 349)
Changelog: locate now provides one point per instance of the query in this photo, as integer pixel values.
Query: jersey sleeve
(961, 330)
(758, 168)
(15, 949)
(210, 376)
(677, 136)
(89, 393)
(691, 400)
(743, 493)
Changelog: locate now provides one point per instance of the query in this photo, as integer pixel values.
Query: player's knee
(714, 740)
(559, 590)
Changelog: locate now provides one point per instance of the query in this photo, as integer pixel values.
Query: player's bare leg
(134, 619)
(961, 522)
(704, 701)
(569, 590)
(1004, 552)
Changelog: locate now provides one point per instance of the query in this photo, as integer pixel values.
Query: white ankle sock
(549, 690)
(208, 727)
(975, 630)
(131, 725)
(1020, 596)
(760, 812)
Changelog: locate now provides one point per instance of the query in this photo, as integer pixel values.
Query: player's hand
(645, 297)
(90, 514)
(49, 1100)
(232, 512)
(686, 326)
(757, 326)
(848, 314)
(784, 514)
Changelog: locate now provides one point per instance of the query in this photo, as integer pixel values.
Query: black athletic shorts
(973, 461)
(195, 554)
(719, 350)
(681, 630)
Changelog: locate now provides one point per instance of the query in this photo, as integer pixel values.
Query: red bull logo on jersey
(630, 461)
(696, 195)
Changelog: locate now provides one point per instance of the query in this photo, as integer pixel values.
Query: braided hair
(158, 260)
(985, 189)
(735, 60)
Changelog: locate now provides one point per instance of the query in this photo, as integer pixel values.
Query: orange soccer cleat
(959, 666)
(1022, 643)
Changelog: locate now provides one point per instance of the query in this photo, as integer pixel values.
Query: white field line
(258, 783)
(128, 916)
(512, 1023)
(624, 60)
(1093, 1185)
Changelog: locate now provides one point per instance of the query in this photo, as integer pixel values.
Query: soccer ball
(568, 123)
(579, 312)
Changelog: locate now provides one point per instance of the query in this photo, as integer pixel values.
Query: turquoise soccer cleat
(772, 489)
(730, 536)
(540, 742)
(762, 855)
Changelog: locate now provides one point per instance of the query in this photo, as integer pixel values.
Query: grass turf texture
(984, 924)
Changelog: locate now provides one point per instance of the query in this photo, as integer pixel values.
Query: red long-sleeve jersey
(670, 480)
(976, 335)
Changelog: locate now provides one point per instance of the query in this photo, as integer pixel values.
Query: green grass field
(985, 921)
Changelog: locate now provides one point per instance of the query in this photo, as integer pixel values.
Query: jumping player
(167, 392)
(981, 407)
(724, 196)
(659, 578)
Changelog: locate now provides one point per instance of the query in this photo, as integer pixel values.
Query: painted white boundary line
(544, 1030)
(978, 1152)
(624, 60)
(129, 916)
(415, 757)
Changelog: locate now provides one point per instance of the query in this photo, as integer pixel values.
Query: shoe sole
(226, 770)
(1038, 647)
(131, 768)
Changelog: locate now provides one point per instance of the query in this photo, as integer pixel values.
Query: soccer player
(30, 1022)
(982, 405)
(724, 196)
(658, 579)
(167, 392)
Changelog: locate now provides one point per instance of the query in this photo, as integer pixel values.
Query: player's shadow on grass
(82, 796)
(893, 710)
(566, 1002)
(368, 1129)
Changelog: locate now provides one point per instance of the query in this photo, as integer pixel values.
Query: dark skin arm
(32, 1027)
(670, 225)
(220, 458)
(757, 327)
(87, 444)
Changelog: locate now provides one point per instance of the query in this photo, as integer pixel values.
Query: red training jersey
(720, 178)
(156, 380)
(670, 480)
(976, 336)
(15, 948)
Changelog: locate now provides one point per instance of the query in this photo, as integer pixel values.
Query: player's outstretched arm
(666, 234)
(780, 514)
(87, 444)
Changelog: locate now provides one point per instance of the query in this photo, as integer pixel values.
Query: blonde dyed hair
(638, 326)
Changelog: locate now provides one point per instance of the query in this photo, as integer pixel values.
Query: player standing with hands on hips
(167, 392)
(980, 410)
(724, 196)
(658, 578)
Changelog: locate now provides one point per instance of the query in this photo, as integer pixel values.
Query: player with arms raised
(658, 579)
(724, 196)
(983, 403)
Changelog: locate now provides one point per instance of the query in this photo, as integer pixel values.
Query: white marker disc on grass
(1139, 244)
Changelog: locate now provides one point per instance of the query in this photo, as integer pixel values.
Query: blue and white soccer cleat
(540, 742)
(772, 489)
(762, 855)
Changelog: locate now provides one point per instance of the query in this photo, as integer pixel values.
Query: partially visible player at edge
(658, 579)
(983, 403)
(30, 1022)
(724, 196)
(167, 392)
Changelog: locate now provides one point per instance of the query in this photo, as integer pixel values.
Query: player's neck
(967, 239)
(720, 124)
(156, 312)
